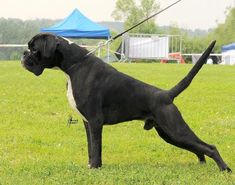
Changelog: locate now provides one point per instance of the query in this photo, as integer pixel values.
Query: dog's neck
(69, 55)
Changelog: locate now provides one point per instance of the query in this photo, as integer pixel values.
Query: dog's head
(41, 53)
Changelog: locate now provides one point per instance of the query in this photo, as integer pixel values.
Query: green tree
(224, 33)
(16, 31)
(131, 14)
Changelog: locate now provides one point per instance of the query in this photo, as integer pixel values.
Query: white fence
(150, 46)
(215, 58)
(15, 51)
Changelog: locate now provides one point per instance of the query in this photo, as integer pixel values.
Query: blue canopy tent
(228, 54)
(228, 47)
(76, 25)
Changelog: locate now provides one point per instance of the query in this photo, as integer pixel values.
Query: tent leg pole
(108, 52)
(99, 52)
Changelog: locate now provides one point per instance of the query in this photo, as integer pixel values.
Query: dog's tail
(185, 82)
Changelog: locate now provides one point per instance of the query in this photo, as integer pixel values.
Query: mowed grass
(36, 146)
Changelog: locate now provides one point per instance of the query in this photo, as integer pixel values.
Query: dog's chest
(71, 99)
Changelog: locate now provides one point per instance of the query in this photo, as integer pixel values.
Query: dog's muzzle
(29, 62)
(25, 57)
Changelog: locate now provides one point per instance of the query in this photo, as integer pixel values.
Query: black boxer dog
(104, 96)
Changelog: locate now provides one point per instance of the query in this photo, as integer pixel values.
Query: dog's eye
(34, 50)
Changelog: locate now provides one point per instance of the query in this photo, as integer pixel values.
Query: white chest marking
(69, 41)
(71, 99)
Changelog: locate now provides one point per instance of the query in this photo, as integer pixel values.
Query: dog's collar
(71, 67)
(74, 65)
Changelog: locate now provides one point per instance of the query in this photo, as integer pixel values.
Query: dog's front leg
(88, 142)
(95, 129)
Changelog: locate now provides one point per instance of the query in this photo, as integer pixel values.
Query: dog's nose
(26, 52)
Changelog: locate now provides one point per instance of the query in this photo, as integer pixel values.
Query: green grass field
(36, 146)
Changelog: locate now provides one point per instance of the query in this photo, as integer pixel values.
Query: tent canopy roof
(76, 25)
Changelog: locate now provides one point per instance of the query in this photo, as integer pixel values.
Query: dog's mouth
(22, 62)
(28, 63)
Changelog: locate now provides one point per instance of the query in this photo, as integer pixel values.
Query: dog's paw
(226, 169)
(202, 162)
(229, 170)
(94, 166)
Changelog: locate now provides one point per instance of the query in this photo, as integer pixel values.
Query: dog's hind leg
(170, 140)
(173, 129)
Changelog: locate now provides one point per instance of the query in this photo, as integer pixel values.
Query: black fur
(106, 96)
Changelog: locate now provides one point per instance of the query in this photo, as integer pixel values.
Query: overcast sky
(191, 14)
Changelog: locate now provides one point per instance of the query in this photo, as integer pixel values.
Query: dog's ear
(50, 44)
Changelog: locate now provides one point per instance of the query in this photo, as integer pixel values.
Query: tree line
(133, 11)
(16, 31)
